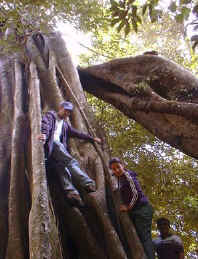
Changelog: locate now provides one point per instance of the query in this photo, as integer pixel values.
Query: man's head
(163, 225)
(116, 165)
(65, 109)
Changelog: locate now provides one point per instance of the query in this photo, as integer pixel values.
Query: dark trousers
(142, 220)
(68, 169)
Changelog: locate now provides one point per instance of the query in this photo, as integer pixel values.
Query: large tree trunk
(159, 94)
(35, 219)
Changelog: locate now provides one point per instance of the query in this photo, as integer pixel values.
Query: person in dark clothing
(55, 135)
(134, 202)
(167, 245)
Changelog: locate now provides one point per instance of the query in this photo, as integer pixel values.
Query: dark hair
(163, 220)
(114, 160)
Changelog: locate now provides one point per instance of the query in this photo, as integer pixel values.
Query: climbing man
(135, 203)
(167, 245)
(55, 135)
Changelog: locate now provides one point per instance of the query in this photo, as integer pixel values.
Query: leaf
(113, 22)
(127, 29)
(113, 8)
(134, 10)
(144, 7)
(131, 1)
(194, 45)
(113, 3)
(153, 3)
(172, 7)
(185, 12)
(154, 16)
(195, 9)
(185, 2)
(121, 25)
(139, 19)
(150, 10)
(154, 13)
(135, 26)
(195, 28)
(3, 43)
(179, 18)
(123, 14)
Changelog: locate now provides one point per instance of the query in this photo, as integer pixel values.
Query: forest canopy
(90, 14)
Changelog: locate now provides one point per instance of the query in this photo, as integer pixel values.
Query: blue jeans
(68, 169)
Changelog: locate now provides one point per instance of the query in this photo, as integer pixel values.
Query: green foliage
(128, 15)
(165, 37)
(125, 13)
(32, 16)
(89, 15)
(168, 177)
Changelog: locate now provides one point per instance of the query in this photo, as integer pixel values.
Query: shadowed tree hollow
(35, 219)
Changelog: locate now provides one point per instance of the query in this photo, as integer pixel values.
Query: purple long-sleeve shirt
(48, 128)
(169, 247)
(127, 192)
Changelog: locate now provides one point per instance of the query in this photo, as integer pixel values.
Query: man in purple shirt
(55, 135)
(167, 245)
(136, 203)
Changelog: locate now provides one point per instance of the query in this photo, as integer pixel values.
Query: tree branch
(159, 94)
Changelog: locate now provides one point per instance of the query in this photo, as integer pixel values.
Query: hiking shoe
(90, 188)
(75, 200)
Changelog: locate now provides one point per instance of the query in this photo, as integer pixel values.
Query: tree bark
(157, 93)
(18, 191)
(35, 219)
(39, 214)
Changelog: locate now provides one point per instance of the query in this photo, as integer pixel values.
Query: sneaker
(75, 200)
(90, 188)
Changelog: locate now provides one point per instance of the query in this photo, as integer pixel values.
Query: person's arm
(179, 246)
(75, 133)
(181, 255)
(131, 194)
(45, 127)
(124, 208)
